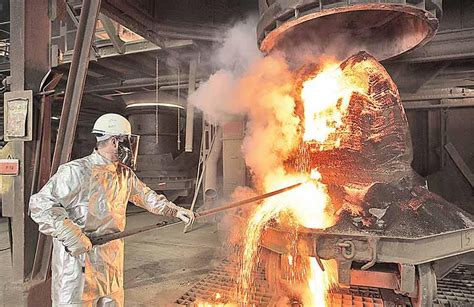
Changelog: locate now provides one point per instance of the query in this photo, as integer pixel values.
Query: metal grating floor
(456, 289)
(222, 280)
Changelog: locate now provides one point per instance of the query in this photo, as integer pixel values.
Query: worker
(87, 198)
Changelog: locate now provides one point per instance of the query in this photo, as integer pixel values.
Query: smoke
(258, 88)
(239, 50)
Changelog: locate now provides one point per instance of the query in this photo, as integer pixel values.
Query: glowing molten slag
(326, 98)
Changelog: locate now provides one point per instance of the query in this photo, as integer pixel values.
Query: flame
(326, 98)
(308, 206)
(319, 282)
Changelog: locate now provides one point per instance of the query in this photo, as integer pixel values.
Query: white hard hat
(111, 124)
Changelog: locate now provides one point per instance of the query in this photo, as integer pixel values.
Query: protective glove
(72, 237)
(187, 216)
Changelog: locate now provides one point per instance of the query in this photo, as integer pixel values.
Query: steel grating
(357, 297)
(456, 289)
(222, 280)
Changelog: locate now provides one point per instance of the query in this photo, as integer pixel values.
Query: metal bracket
(373, 243)
(407, 282)
(318, 260)
(344, 272)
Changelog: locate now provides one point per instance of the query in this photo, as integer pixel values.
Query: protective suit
(84, 199)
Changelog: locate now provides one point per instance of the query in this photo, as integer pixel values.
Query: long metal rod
(107, 238)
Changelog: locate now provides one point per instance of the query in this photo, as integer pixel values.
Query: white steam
(257, 87)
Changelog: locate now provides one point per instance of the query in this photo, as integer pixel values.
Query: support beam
(438, 94)
(109, 27)
(75, 20)
(132, 48)
(76, 82)
(462, 166)
(126, 13)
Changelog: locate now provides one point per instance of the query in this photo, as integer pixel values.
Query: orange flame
(307, 205)
(326, 98)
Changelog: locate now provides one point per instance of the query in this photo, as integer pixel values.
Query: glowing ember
(214, 302)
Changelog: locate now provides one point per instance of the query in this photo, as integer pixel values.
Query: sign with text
(9, 167)
(18, 111)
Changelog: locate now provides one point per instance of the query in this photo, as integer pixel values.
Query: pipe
(188, 146)
(422, 107)
(127, 233)
(210, 176)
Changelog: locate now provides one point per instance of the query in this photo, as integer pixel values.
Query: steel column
(29, 63)
(70, 112)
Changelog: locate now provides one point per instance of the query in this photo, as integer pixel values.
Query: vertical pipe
(188, 146)
(210, 179)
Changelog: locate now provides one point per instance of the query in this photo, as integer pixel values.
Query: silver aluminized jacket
(93, 192)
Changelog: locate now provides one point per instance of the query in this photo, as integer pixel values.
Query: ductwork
(210, 176)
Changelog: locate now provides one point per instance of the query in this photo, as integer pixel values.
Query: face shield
(128, 149)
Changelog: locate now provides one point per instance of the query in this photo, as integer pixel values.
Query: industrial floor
(160, 265)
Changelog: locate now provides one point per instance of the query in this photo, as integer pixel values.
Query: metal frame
(415, 277)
